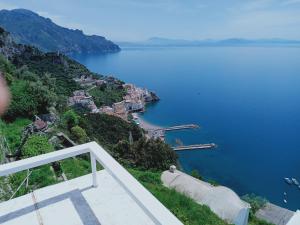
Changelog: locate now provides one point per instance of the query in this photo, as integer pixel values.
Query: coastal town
(135, 99)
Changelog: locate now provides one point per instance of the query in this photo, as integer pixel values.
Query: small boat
(288, 180)
(295, 181)
(284, 193)
(285, 201)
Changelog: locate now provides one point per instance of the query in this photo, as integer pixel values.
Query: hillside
(27, 27)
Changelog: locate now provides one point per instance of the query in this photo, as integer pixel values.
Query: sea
(245, 99)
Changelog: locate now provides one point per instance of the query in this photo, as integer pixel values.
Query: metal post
(94, 170)
(27, 181)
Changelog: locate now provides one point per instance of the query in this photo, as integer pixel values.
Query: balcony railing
(146, 201)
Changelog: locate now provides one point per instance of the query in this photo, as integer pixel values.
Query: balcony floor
(75, 202)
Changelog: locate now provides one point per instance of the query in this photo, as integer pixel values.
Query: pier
(195, 147)
(181, 127)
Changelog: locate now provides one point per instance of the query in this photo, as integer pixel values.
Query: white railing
(150, 205)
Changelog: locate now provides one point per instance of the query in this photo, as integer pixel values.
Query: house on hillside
(120, 109)
(82, 99)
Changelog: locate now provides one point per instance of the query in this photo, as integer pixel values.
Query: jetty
(195, 147)
(181, 127)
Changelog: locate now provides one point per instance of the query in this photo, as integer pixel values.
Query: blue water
(246, 100)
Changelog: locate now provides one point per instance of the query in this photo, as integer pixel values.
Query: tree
(79, 134)
(147, 154)
(28, 99)
(36, 145)
(109, 130)
(122, 149)
(70, 119)
(153, 154)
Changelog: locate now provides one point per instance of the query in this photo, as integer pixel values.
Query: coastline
(145, 124)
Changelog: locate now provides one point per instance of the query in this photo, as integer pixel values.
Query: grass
(183, 207)
(40, 177)
(13, 131)
(255, 221)
(77, 167)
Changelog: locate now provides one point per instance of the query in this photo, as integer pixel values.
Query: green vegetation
(79, 135)
(12, 132)
(147, 154)
(40, 81)
(30, 28)
(59, 67)
(196, 174)
(255, 201)
(107, 95)
(70, 119)
(28, 99)
(255, 221)
(40, 177)
(109, 130)
(185, 209)
(36, 145)
(76, 167)
(113, 133)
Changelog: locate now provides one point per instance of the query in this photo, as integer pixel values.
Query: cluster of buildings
(85, 81)
(134, 100)
(83, 99)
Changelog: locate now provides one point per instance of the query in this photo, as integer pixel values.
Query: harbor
(155, 132)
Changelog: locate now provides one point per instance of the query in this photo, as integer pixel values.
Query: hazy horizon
(133, 20)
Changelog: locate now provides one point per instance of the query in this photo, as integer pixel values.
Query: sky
(136, 20)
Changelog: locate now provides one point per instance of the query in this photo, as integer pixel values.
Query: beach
(144, 124)
(153, 131)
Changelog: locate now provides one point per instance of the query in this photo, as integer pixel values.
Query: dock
(181, 127)
(195, 147)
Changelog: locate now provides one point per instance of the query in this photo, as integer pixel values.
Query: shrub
(147, 154)
(196, 174)
(79, 134)
(255, 201)
(70, 119)
(36, 145)
(13, 131)
(109, 130)
(28, 99)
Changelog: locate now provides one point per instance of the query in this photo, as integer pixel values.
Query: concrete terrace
(275, 214)
(110, 196)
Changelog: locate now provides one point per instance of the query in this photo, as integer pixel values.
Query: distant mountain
(27, 27)
(165, 42)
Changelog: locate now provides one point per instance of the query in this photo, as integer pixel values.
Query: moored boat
(288, 180)
(295, 181)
